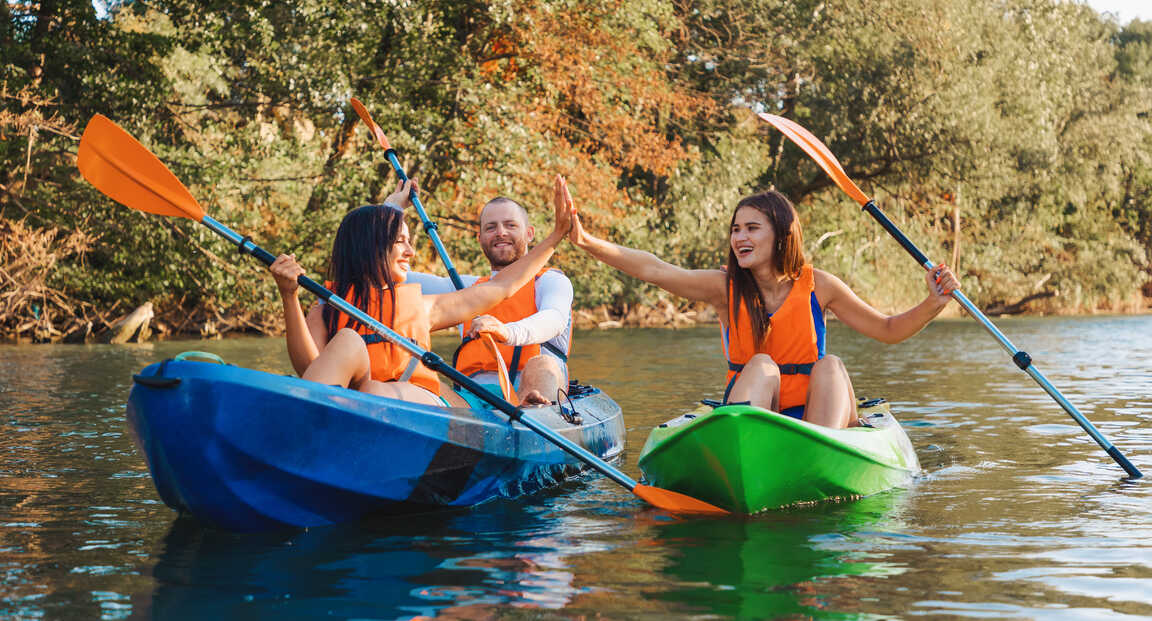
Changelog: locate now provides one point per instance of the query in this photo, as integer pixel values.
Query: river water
(1019, 514)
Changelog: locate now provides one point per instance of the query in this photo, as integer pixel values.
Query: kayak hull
(246, 450)
(747, 459)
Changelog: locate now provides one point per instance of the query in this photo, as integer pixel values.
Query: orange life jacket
(472, 358)
(390, 362)
(795, 341)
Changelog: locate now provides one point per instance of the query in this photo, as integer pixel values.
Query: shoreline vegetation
(1010, 139)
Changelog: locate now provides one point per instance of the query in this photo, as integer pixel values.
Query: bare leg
(541, 378)
(831, 401)
(343, 361)
(758, 383)
(404, 391)
(453, 399)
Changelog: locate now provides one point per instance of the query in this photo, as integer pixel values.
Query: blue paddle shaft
(430, 359)
(1022, 359)
(429, 226)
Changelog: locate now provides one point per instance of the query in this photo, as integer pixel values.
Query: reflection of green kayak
(747, 459)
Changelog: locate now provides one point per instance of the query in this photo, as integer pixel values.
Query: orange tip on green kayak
(747, 459)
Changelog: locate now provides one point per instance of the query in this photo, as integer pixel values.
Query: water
(1019, 515)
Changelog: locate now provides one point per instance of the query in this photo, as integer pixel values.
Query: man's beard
(506, 258)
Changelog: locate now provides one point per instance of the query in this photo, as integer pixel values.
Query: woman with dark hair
(771, 305)
(369, 261)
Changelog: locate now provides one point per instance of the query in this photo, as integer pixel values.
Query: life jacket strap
(514, 364)
(785, 369)
(796, 369)
(555, 351)
(413, 362)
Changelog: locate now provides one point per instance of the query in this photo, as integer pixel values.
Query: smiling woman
(772, 303)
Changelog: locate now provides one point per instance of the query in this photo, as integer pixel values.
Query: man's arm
(553, 314)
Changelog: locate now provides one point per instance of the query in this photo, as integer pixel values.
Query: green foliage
(1030, 120)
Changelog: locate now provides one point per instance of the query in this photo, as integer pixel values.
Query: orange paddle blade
(501, 368)
(125, 170)
(817, 151)
(675, 501)
(372, 126)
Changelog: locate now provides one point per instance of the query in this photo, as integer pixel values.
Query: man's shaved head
(504, 201)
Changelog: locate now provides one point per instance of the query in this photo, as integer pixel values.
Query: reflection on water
(785, 563)
(1019, 514)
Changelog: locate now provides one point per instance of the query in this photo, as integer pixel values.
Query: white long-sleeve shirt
(551, 323)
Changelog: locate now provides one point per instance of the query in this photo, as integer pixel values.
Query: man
(533, 327)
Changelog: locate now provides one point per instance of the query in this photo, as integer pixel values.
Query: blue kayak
(247, 450)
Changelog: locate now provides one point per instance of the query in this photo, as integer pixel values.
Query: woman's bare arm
(709, 286)
(862, 317)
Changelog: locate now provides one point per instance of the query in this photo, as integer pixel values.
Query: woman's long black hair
(787, 256)
(359, 262)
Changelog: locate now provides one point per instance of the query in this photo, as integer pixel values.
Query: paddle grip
(897, 234)
(261, 254)
(391, 155)
(429, 226)
(1119, 457)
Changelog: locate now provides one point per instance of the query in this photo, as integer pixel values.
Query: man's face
(504, 233)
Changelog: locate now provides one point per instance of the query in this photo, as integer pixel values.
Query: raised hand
(562, 205)
(402, 197)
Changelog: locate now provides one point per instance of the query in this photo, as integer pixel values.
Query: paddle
(120, 167)
(820, 153)
(506, 387)
(429, 226)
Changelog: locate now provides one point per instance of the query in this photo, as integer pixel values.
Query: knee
(762, 365)
(829, 363)
(344, 336)
(347, 341)
(543, 364)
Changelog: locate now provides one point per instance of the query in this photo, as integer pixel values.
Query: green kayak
(747, 459)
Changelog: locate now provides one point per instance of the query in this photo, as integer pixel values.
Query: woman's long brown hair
(359, 262)
(787, 257)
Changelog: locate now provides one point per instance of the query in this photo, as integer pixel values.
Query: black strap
(372, 339)
(796, 369)
(456, 354)
(555, 351)
(513, 367)
(785, 369)
(731, 383)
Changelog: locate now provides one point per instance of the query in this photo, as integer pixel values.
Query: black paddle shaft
(1021, 358)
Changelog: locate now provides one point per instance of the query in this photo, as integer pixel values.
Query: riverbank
(146, 323)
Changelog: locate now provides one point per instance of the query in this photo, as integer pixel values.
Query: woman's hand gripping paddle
(122, 168)
(823, 156)
(429, 225)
